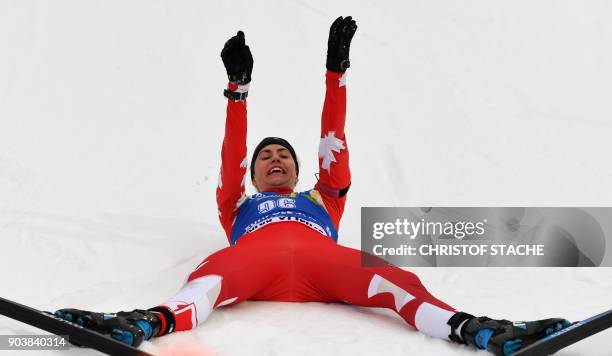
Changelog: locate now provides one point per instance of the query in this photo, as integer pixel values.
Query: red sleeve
(334, 172)
(232, 178)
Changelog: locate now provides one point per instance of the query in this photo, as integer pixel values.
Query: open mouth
(276, 170)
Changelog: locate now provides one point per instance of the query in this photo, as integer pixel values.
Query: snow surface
(111, 121)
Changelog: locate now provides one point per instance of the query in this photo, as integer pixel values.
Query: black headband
(274, 141)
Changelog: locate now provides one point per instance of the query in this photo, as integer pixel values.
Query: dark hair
(274, 141)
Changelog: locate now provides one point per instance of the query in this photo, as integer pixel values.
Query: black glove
(237, 59)
(340, 35)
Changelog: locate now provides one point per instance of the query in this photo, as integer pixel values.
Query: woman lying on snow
(283, 243)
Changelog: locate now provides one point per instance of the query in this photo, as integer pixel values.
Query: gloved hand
(338, 45)
(237, 59)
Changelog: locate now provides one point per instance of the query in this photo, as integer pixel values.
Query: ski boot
(128, 327)
(501, 337)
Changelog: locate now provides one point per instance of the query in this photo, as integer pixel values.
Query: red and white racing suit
(289, 261)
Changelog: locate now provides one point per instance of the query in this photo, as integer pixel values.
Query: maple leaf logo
(328, 145)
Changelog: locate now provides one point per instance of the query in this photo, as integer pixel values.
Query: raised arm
(334, 173)
(238, 63)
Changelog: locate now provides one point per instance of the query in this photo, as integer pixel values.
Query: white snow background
(112, 117)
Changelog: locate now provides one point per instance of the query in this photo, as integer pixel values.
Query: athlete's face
(274, 169)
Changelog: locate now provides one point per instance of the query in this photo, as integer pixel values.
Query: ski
(58, 326)
(568, 336)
